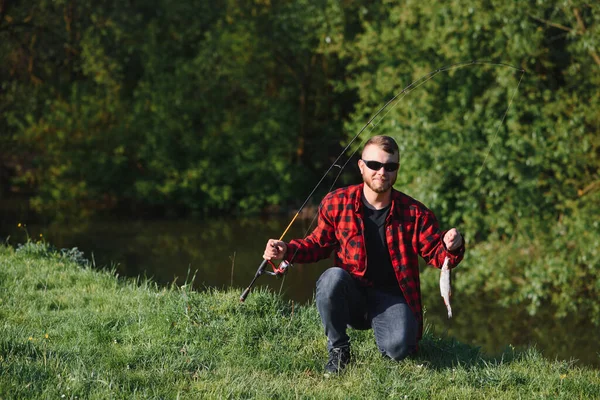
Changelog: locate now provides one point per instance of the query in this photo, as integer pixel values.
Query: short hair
(386, 143)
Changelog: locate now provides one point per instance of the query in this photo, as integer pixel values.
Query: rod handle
(245, 294)
(259, 272)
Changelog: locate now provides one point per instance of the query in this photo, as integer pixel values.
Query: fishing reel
(279, 271)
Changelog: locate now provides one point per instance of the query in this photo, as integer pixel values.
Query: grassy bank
(69, 330)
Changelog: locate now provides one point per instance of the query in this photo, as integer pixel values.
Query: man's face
(379, 181)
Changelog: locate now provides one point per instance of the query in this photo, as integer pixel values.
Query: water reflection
(218, 252)
(224, 251)
(481, 322)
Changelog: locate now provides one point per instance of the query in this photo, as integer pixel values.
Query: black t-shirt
(379, 265)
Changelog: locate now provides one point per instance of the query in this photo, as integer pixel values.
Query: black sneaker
(339, 357)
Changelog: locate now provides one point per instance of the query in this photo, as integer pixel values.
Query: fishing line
(419, 82)
(396, 99)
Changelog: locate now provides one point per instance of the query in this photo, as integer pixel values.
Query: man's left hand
(453, 239)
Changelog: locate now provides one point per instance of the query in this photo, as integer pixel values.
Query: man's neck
(377, 201)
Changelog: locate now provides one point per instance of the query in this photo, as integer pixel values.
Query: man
(377, 234)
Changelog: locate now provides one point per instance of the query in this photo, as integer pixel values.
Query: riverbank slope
(71, 331)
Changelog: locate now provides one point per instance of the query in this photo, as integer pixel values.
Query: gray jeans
(342, 302)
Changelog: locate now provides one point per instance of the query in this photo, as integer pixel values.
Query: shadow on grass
(445, 352)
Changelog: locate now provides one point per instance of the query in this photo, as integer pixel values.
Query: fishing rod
(282, 269)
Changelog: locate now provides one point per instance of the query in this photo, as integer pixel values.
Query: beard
(378, 185)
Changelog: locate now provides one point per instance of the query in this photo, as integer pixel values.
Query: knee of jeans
(331, 282)
(397, 350)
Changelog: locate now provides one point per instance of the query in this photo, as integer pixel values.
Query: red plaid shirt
(410, 229)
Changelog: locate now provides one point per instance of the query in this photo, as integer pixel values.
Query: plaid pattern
(411, 230)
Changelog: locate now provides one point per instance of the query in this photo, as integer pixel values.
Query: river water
(225, 253)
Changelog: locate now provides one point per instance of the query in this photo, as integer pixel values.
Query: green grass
(69, 330)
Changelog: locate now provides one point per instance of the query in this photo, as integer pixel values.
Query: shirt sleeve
(316, 246)
(431, 243)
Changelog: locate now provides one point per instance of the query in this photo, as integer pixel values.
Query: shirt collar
(358, 198)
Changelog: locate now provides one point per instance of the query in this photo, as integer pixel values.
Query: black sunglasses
(376, 165)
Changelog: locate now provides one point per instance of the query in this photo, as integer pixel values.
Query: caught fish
(445, 286)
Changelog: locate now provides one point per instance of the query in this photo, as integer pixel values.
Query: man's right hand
(275, 250)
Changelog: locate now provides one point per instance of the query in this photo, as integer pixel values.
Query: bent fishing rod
(284, 265)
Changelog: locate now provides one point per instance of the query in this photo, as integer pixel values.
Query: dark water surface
(226, 252)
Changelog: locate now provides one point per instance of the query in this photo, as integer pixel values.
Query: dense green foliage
(554, 272)
(182, 105)
(239, 105)
(69, 331)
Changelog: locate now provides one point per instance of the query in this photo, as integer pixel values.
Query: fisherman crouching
(376, 234)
